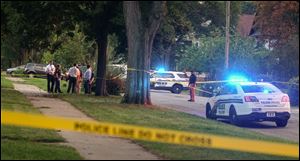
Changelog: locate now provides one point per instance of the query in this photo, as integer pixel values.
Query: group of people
(74, 76)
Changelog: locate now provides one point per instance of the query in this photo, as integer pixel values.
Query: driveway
(179, 102)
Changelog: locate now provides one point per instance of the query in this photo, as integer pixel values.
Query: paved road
(179, 102)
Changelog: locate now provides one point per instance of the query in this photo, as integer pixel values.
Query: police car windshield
(182, 75)
(259, 89)
(163, 75)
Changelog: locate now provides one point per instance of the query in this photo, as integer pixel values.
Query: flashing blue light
(237, 78)
(161, 69)
(266, 91)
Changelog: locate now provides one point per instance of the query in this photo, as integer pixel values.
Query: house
(245, 25)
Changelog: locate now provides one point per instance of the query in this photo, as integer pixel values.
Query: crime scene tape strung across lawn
(150, 134)
(139, 70)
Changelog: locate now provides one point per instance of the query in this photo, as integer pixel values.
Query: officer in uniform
(192, 86)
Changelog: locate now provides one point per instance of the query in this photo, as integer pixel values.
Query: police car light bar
(236, 78)
(161, 69)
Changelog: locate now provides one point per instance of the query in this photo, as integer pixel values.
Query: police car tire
(177, 89)
(281, 122)
(233, 116)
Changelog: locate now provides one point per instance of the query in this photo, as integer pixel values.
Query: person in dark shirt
(57, 77)
(192, 86)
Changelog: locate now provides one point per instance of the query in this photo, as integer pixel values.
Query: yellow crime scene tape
(150, 72)
(150, 134)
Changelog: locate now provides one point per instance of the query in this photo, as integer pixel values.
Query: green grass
(109, 109)
(15, 101)
(42, 83)
(28, 143)
(6, 83)
(27, 150)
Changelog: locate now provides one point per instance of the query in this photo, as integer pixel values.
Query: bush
(293, 91)
(115, 86)
(18, 73)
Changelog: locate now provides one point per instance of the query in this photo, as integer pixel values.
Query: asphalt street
(178, 102)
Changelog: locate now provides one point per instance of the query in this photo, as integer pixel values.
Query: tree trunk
(140, 36)
(101, 65)
(167, 55)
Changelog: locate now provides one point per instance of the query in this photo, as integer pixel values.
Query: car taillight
(285, 99)
(250, 99)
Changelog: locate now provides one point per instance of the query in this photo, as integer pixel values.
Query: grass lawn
(20, 143)
(109, 109)
(5, 83)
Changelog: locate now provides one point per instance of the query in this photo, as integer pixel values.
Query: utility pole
(227, 35)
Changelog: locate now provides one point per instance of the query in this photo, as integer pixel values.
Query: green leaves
(209, 55)
(73, 49)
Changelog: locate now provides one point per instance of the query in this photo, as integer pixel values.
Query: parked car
(13, 70)
(169, 80)
(249, 101)
(34, 68)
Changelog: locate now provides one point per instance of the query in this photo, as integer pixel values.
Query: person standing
(78, 79)
(72, 78)
(192, 86)
(87, 78)
(57, 77)
(50, 69)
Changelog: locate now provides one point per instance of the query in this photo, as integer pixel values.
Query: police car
(169, 80)
(249, 101)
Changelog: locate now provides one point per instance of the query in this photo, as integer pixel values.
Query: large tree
(99, 19)
(185, 21)
(277, 22)
(208, 57)
(27, 26)
(142, 22)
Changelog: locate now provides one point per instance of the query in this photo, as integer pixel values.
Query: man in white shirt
(50, 69)
(87, 77)
(72, 78)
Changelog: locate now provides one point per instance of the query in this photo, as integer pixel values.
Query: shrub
(18, 73)
(115, 86)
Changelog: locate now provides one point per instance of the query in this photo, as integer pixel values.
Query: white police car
(249, 101)
(169, 80)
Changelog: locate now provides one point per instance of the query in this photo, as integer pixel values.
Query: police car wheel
(281, 123)
(176, 89)
(232, 116)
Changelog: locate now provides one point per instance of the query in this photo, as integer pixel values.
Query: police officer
(192, 86)
(72, 78)
(50, 69)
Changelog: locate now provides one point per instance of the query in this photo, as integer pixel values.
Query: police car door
(225, 99)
